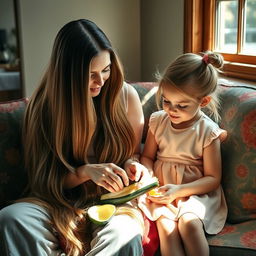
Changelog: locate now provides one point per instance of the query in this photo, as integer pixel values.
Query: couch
(238, 112)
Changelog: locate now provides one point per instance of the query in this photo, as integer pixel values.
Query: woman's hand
(136, 171)
(107, 175)
(168, 194)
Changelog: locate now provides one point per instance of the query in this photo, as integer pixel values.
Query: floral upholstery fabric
(238, 117)
(239, 152)
(235, 240)
(12, 175)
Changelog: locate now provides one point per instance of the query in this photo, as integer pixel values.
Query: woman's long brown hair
(62, 118)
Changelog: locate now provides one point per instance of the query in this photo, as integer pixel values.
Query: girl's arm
(149, 152)
(209, 182)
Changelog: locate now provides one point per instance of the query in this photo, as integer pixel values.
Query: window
(225, 26)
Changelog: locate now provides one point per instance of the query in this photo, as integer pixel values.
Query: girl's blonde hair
(62, 120)
(199, 71)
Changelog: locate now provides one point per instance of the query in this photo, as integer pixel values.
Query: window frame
(199, 25)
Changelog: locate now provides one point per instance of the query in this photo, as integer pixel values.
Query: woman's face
(100, 69)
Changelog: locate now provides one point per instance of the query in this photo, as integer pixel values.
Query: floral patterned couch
(239, 163)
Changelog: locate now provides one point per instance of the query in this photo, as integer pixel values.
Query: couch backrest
(12, 174)
(239, 151)
(238, 117)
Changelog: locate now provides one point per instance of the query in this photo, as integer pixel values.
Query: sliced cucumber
(128, 193)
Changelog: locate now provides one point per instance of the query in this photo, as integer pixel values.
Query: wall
(7, 16)
(7, 22)
(40, 21)
(161, 34)
(147, 34)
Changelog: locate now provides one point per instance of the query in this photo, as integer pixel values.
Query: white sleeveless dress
(179, 161)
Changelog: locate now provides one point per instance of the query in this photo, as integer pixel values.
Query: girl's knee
(189, 224)
(166, 226)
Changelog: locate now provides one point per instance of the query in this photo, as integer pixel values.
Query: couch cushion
(12, 174)
(239, 151)
(234, 240)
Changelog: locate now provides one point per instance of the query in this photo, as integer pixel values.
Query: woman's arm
(108, 175)
(134, 169)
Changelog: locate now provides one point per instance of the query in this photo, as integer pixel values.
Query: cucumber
(128, 193)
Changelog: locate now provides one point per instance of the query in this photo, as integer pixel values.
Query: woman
(82, 132)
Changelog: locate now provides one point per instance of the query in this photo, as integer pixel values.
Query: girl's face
(181, 109)
(100, 69)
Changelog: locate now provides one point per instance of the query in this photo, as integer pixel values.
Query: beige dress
(179, 161)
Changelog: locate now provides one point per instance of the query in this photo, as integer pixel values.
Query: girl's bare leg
(170, 241)
(193, 236)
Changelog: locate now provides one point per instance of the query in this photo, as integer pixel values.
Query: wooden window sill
(223, 79)
(240, 70)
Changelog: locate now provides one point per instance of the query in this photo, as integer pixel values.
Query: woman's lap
(25, 230)
(121, 236)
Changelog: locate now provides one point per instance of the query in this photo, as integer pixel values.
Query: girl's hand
(168, 194)
(107, 175)
(135, 170)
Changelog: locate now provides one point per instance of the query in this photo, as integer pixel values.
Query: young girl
(183, 150)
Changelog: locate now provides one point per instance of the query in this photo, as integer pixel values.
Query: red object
(150, 241)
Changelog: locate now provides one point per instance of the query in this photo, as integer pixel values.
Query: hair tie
(206, 59)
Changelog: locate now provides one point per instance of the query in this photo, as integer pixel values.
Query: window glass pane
(249, 44)
(226, 26)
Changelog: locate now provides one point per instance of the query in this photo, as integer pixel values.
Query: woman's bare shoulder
(131, 91)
